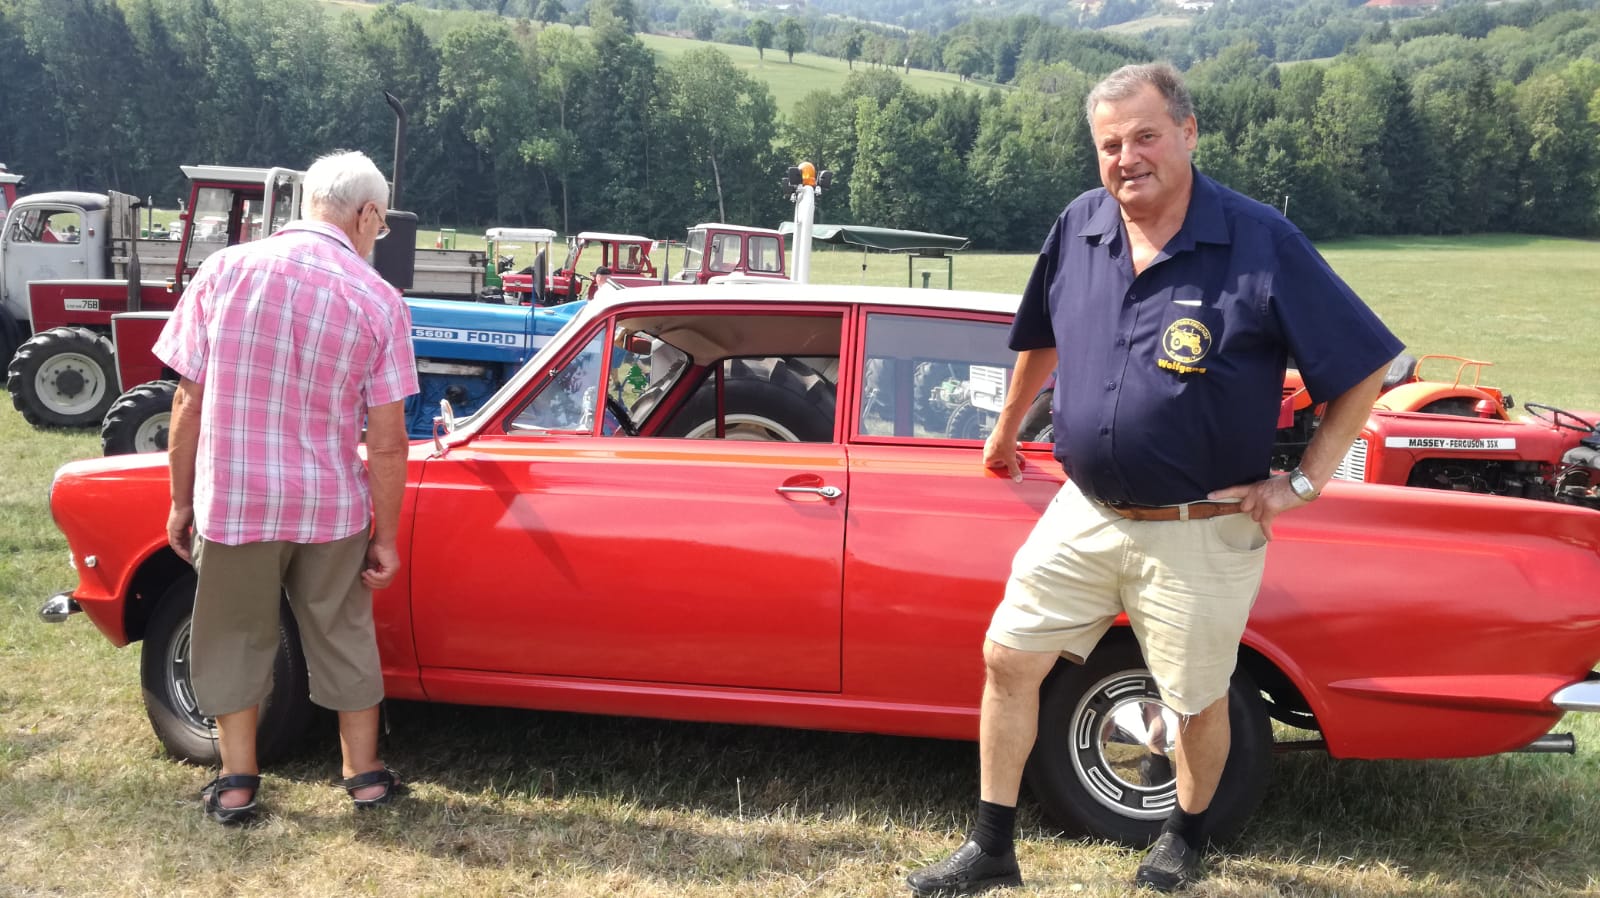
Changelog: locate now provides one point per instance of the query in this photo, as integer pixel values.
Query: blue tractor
(466, 350)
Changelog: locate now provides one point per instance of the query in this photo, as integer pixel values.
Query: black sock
(1192, 827)
(993, 831)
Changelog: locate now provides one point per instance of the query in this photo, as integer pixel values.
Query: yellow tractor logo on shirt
(1186, 342)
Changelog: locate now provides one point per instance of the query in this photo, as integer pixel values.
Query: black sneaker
(1155, 770)
(1170, 865)
(967, 872)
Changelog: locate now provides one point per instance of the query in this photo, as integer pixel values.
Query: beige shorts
(235, 632)
(1187, 587)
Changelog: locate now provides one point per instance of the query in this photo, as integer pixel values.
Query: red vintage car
(743, 503)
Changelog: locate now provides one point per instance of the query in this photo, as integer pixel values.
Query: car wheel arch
(150, 581)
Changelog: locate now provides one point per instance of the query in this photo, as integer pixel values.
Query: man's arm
(1032, 370)
(1266, 499)
(386, 467)
(183, 442)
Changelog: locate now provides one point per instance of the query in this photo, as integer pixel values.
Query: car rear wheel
(1093, 769)
(63, 377)
(169, 701)
(139, 419)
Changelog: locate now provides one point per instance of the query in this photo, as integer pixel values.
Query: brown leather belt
(1193, 511)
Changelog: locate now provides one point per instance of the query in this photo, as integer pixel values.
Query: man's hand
(1263, 500)
(1000, 453)
(180, 531)
(383, 562)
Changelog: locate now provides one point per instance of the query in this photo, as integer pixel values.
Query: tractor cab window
(628, 257)
(764, 255)
(725, 252)
(694, 252)
(934, 378)
(208, 222)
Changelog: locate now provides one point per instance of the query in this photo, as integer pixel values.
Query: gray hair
(339, 184)
(1131, 79)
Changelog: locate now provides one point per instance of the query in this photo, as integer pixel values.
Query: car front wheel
(1103, 765)
(169, 701)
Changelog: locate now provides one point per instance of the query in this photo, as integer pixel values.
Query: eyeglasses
(383, 224)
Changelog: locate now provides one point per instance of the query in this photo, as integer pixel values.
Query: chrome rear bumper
(58, 608)
(1580, 696)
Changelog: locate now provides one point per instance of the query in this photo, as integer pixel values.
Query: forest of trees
(1475, 119)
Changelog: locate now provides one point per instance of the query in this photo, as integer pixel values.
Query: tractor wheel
(63, 377)
(138, 420)
(1037, 425)
(757, 409)
(1092, 770)
(187, 734)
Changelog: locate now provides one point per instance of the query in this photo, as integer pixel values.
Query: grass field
(542, 804)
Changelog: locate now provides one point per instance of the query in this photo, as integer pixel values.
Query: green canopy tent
(916, 244)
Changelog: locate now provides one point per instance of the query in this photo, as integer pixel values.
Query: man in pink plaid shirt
(285, 346)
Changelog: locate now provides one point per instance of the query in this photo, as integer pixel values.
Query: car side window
(570, 394)
(933, 378)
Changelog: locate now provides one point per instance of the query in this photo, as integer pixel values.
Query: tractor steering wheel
(1561, 418)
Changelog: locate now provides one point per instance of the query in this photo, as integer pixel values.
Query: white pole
(805, 212)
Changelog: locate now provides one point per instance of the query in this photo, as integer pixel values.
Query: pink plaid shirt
(294, 337)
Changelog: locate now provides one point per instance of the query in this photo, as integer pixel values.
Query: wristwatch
(1302, 485)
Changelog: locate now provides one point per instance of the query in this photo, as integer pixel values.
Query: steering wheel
(620, 412)
(1562, 418)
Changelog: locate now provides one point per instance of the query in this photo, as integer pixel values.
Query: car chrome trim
(58, 608)
(1580, 696)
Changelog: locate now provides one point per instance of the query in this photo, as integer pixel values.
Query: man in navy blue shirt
(1169, 306)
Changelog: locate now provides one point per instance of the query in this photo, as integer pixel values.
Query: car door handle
(826, 492)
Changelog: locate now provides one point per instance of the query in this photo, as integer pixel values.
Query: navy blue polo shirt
(1170, 382)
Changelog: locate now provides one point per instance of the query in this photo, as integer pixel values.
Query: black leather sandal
(211, 795)
(388, 779)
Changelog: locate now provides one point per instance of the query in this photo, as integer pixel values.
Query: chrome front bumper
(58, 608)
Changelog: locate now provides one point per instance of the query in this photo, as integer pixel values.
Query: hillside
(809, 72)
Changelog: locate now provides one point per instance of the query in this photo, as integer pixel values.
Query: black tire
(63, 377)
(286, 715)
(1089, 790)
(1037, 425)
(138, 420)
(764, 410)
(968, 422)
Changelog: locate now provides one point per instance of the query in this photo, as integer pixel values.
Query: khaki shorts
(235, 633)
(1187, 587)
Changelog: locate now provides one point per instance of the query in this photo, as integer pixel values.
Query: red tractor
(65, 375)
(626, 255)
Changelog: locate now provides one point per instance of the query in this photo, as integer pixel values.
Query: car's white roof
(776, 290)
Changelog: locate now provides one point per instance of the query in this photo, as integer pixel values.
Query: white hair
(339, 184)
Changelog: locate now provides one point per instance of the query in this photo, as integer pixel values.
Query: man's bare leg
(1202, 753)
(1007, 725)
(236, 742)
(358, 743)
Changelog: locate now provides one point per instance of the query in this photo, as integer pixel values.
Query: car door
(556, 545)
(931, 531)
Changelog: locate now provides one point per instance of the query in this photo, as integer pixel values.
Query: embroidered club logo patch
(1186, 342)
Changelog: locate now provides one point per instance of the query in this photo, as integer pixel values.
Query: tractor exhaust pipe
(399, 145)
(1552, 744)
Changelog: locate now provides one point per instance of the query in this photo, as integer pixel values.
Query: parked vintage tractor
(714, 251)
(72, 262)
(500, 283)
(627, 255)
